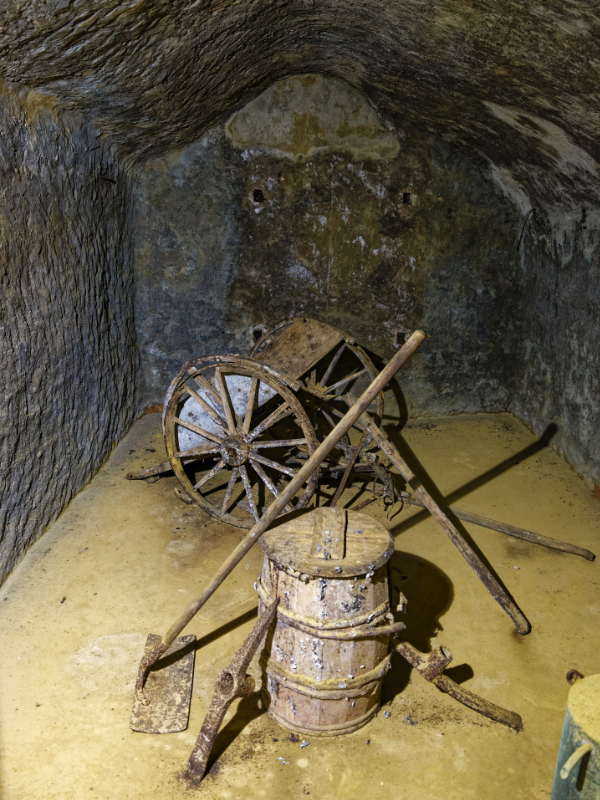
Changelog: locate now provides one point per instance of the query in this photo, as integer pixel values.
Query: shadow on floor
(429, 593)
(249, 708)
(412, 460)
(211, 637)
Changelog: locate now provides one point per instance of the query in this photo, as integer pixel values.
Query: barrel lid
(329, 543)
(584, 705)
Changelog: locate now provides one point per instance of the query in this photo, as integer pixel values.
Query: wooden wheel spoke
(332, 423)
(208, 408)
(268, 482)
(250, 405)
(276, 416)
(345, 380)
(196, 452)
(356, 425)
(226, 401)
(230, 486)
(268, 463)
(206, 384)
(248, 488)
(278, 443)
(211, 473)
(331, 367)
(195, 429)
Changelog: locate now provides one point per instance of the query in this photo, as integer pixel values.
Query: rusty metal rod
(279, 503)
(510, 530)
(493, 525)
(485, 576)
(366, 502)
(149, 472)
(432, 665)
(165, 466)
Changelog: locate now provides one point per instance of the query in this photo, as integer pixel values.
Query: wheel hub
(234, 450)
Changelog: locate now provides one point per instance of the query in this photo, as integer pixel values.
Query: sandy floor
(126, 557)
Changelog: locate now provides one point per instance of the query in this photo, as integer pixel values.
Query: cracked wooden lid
(329, 543)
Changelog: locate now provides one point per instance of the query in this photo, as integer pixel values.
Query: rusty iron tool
(231, 683)
(481, 521)
(499, 594)
(168, 689)
(278, 505)
(432, 665)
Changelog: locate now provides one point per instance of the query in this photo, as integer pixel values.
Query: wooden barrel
(325, 657)
(578, 765)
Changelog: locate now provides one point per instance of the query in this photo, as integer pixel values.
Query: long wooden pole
(280, 502)
(485, 576)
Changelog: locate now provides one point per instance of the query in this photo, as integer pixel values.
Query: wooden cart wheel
(229, 425)
(346, 368)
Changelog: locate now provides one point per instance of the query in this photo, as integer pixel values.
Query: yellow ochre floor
(126, 557)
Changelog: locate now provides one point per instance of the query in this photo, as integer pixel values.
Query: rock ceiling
(514, 83)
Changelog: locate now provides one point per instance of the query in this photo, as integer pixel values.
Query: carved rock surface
(68, 357)
(514, 83)
(291, 210)
(497, 105)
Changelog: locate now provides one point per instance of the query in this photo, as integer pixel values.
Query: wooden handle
(485, 576)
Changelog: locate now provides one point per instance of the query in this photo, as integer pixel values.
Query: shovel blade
(168, 689)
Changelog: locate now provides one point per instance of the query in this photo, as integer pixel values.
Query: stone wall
(558, 363)
(68, 357)
(307, 203)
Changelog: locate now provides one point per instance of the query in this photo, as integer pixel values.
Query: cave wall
(307, 203)
(495, 110)
(68, 356)
(558, 365)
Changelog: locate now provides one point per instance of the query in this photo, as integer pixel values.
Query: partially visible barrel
(324, 661)
(577, 775)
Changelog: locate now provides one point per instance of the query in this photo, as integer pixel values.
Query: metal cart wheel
(229, 425)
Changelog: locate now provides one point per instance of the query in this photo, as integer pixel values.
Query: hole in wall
(399, 338)
(258, 196)
(257, 332)
(407, 199)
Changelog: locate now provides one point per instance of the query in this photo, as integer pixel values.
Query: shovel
(159, 695)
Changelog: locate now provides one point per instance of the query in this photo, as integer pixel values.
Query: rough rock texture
(306, 205)
(507, 91)
(516, 83)
(558, 364)
(68, 358)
